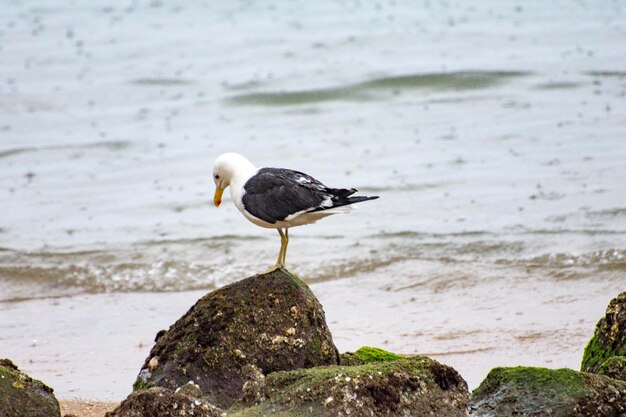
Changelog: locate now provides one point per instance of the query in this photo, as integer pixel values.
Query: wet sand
(85, 408)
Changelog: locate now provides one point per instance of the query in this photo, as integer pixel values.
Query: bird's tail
(343, 195)
(359, 198)
(341, 192)
(343, 203)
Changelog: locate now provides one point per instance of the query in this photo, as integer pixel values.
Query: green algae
(22, 396)
(371, 354)
(307, 384)
(614, 367)
(274, 410)
(380, 387)
(609, 337)
(140, 385)
(297, 280)
(530, 391)
(549, 382)
(595, 354)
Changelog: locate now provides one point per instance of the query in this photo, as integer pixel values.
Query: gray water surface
(494, 133)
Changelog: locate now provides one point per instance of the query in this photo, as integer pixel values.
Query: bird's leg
(282, 254)
(279, 262)
(284, 260)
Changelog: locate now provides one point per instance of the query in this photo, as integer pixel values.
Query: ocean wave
(161, 82)
(54, 274)
(348, 268)
(564, 266)
(159, 276)
(557, 85)
(166, 266)
(212, 242)
(607, 213)
(606, 73)
(366, 90)
(15, 151)
(414, 234)
(602, 259)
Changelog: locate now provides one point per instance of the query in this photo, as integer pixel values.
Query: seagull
(278, 198)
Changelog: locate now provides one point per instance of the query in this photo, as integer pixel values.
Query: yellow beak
(217, 199)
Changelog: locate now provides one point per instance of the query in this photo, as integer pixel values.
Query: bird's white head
(229, 167)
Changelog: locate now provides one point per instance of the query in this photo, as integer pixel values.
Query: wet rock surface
(22, 396)
(271, 322)
(157, 402)
(415, 386)
(614, 367)
(261, 347)
(533, 392)
(609, 338)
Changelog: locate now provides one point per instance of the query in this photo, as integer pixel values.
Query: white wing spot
(328, 202)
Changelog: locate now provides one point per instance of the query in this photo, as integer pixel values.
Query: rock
(614, 367)
(349, 359)
(532, 392)
(159, 401)
(22, 396)
(406, 387)
(609, 338)
(271, 321)
(190, 390)
(252, 387)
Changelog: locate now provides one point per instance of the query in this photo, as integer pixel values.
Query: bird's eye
(217, 177)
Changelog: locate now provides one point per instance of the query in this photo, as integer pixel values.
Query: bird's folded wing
(273, 194)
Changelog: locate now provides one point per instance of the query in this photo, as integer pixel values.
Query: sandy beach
(83, 408)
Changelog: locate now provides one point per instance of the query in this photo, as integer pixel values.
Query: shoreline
(472, 328)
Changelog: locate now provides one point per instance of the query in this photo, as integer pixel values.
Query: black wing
(273, 194)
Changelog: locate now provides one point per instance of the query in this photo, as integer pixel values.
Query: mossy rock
(272, 322)
(609, 338)
(159, 401)
(367, 354)
(614, 367)
(404, 387)
(349, 359)
(22, 396)
(371, 354)
(531, 392)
